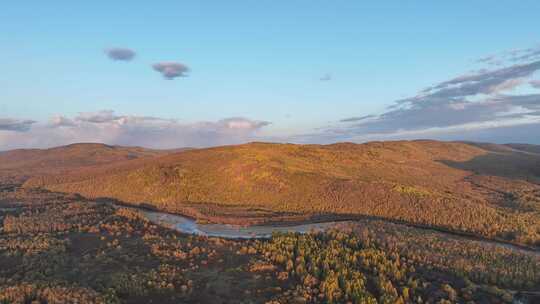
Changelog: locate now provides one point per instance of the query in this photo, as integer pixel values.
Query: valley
(61, 249)
(479, 189)
(393, 222)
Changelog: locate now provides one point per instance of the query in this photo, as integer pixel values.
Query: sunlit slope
(423, 182)
(25, 163)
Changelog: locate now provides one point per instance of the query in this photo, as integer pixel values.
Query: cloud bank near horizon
(482, 102)
(129, 130)
(15, 125)
(500, 104)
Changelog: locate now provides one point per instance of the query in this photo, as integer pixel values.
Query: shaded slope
(516, 161)
(526, 147)
(421, 182)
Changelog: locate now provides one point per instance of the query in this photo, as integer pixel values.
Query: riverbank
(190, 225)
(116, 245)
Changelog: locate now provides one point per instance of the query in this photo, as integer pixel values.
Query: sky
(168, 74)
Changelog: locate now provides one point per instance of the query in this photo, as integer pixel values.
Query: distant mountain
(25, 163)
(491, 190)
(526, 147)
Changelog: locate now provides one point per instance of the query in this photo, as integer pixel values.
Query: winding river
(188, 225)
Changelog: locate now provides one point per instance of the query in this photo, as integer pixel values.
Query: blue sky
(286, 70)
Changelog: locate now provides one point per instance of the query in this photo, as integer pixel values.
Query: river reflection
(187, 225)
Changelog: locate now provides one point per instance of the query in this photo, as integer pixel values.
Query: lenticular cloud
(120, 54)
(171, 70)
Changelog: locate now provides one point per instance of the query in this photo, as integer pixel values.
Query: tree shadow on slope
(514, 165)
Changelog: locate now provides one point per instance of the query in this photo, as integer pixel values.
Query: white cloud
(476, 99)
(15, 125)
(131, 130)
(60, 121)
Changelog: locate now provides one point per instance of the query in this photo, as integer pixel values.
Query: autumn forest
(412, 222)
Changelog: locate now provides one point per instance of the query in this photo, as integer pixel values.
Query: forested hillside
(491, 191)
(25, 163)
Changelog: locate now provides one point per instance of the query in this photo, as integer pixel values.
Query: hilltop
(24, 163)
(488, 190)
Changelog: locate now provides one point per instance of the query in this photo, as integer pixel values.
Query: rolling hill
(488, 190)
(25, 163)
